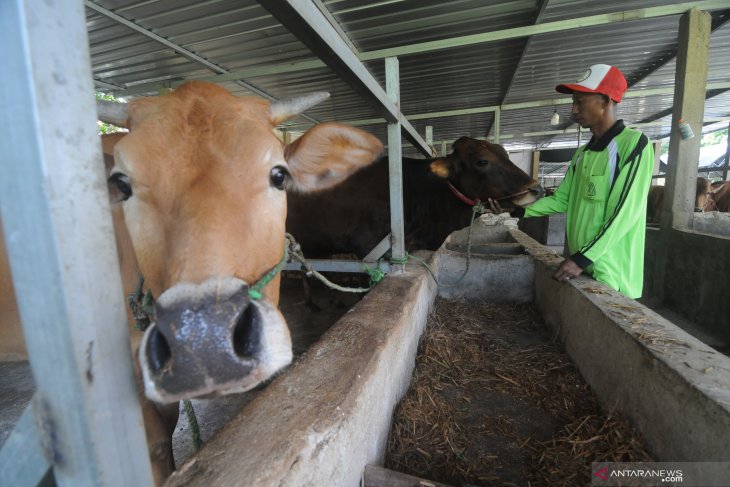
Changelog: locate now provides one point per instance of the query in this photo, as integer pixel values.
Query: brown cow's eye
(278, 177)
(120, 182)
(482, 162)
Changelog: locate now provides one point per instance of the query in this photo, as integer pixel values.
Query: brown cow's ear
(327, 154)
(440, 168)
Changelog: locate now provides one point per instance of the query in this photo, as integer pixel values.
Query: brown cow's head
(703, 199)
(203, 179)
(481, 170)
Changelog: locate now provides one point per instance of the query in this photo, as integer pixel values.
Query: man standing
(605, 189)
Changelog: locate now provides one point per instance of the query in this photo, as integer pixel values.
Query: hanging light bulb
(555, 119)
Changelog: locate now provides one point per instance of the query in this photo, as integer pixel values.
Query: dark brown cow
(721, 195)
(355, 216)
(703, 201)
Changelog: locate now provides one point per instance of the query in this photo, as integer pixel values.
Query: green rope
(255, 291)
(423, 263)
(376, 275)
(193, 422)
(142, 305)
(477, 209)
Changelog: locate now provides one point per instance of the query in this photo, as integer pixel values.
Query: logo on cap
(585, 76)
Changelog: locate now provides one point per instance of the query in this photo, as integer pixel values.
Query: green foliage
(714, 138)
(106, 128)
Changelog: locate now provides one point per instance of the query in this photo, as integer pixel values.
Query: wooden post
(535, 165)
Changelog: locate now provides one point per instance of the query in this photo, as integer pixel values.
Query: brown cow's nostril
(158, 350)
(247, 334)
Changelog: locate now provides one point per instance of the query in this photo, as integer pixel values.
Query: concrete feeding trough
(328, 416)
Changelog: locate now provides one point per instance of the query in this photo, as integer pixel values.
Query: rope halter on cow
(474, 202)
(254, 291)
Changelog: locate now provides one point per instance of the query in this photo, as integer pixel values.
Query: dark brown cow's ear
(440, 168)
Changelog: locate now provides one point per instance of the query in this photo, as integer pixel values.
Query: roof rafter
(306, 22)
(538, 19)
(454, 42)
(180, 50)
(654, 64)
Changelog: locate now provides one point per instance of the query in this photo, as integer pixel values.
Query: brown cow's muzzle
(531, 194)
(211, 339)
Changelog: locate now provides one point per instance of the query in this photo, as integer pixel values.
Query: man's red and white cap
(600, 78)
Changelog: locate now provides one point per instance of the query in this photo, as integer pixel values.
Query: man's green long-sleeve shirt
(604, 197)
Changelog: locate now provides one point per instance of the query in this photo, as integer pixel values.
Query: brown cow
(721, 195)
(655, 200)
(201, 180)
(437, 197)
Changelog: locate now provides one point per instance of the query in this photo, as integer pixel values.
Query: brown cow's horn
(285, 109)
(112, 112)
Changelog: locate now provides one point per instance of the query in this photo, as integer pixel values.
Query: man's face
(588, 109)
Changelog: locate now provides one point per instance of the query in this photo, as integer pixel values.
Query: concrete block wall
(672, 387)
(328, 415)
(696, 277)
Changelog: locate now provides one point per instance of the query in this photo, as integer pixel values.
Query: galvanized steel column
(727, 155)
(392, 87)
(85, 417)
(497, 114)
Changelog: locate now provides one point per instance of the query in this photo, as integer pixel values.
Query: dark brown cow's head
(202, 179)
(482, 170)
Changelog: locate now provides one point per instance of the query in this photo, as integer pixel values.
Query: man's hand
(567, 270)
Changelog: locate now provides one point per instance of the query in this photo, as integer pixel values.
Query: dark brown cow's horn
(112, 112)
(285, 109)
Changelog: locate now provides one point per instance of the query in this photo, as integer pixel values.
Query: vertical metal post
(497, 116)
(534, 173)
(392, 87)
(54, 204)
(727, 155)
(444, 144)
(429, 139)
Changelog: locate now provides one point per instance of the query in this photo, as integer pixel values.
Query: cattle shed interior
(483, 69)
(436, 70)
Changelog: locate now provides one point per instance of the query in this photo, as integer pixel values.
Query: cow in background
(438, 195)
(200, 183)
(655, 200)
(721, 195)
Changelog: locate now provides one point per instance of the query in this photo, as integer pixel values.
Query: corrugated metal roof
(161, 37)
